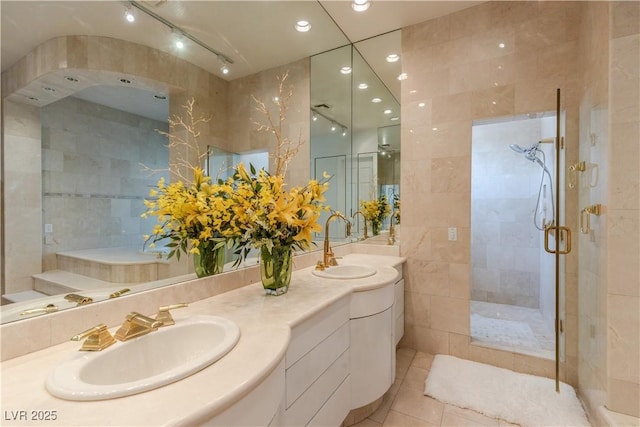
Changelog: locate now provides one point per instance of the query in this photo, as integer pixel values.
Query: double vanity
(308, 357)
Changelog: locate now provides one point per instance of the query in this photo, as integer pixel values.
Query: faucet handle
(97, 338)
(136, 324)
(164, 315)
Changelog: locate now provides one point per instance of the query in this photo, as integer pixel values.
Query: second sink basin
(346, 271)
(145, 363)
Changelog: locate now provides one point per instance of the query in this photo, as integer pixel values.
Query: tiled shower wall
(93, 182)
(493, 60)
(506, 248)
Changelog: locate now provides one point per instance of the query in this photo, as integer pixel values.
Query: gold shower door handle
(558, 232)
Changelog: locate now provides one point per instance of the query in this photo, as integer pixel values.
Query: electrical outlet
(48, 228)
(48, 239)
(452, 234)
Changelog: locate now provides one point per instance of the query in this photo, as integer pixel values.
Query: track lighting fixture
(315, 115)
(224, 67)
(128, 14)
(180, 42)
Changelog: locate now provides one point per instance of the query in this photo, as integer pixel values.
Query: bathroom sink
(346, 271)
(153, 360)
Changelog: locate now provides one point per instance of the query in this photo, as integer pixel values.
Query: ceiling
(255, 35)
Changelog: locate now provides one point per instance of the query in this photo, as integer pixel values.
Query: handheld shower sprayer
(531, 154)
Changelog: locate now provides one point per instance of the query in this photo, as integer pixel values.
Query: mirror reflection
(93, 188)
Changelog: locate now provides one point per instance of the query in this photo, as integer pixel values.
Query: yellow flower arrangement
(193, 217)
(269, 216)
(375, 211)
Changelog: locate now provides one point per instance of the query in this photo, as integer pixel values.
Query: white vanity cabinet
(372, 344)
(398, 311)
(259, 407)
(317, 381)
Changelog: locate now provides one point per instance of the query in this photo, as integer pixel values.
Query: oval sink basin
(346, 271)
(153, 360)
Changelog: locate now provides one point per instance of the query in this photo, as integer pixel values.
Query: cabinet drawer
(368, 303)
(309, 367)
(308, 334)
(307, 405)
(336, 409)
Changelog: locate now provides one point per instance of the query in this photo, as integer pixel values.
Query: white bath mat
(501, 331)
(522, 399)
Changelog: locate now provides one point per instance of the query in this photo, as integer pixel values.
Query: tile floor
(542, 329)
(406, 405)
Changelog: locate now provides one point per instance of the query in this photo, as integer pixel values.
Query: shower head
(517, 148)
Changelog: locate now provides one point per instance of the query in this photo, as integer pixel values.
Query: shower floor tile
(513, 328)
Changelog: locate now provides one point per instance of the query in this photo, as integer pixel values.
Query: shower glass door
(514, 199)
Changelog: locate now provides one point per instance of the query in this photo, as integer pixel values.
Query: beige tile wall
(455, 65)
(623, 211)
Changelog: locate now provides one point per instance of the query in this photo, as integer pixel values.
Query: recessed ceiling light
(434, 128)
(494, 102)
(363, 86)
(71, 79)
(376, 100)
(345, 70)
(394, 118)
(179, 44)
(360, 5)
(501, 45)
(125, 81)
(393, 57)
(422, 104)
(402, 76)
(303, 26)
(344, 132)
(333, 127)
(387, 111)
(224, 69)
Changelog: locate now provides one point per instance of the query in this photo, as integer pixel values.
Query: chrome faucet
(135, 325)
(328, 257)
(364, 219)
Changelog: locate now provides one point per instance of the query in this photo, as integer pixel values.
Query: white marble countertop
(265, 323)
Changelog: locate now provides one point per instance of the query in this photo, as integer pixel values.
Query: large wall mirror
(91, 187)
(355, 125)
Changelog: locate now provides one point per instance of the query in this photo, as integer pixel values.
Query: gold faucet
(392, 231)
(365, 223)
(78, 299)
(97, 338)
(135, 325)
(49, 308)
(119, 293)
(164, 315)
(329, 258)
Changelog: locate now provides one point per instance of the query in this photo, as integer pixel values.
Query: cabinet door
(371, 357)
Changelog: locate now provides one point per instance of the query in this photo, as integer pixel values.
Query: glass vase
(275, 269)
(375, 228)
(210, 260)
